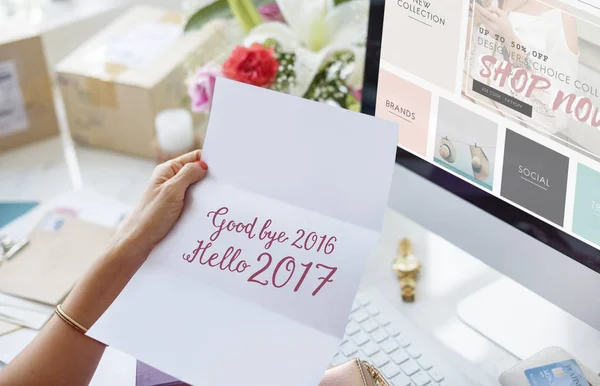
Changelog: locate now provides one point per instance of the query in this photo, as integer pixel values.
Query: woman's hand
(162, 202)
(496, 21)
(154, 216)
(157, 212)
(60, 355)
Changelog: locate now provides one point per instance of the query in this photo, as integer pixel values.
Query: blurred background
(119, 69)
(94, 94)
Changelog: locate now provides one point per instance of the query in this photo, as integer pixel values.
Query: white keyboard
(379, 334)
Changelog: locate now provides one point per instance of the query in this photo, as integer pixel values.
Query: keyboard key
(338, 360)
(379, 336)
(401, 380)
(380, 359)
(393, 330)
(436, 376)
(362, 299)
(410, 367)
(369, 325)
(360, 316)
(382, 320)
(413, 352)
(421, 379)
(389, 346)
(369, 349)
(352, 328)
(399, 356)
(360, 338)
(402, 341)
(390, 370)
(348, 349)
(424, 363)
(371, 309)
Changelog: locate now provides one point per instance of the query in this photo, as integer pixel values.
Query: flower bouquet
(314, 49)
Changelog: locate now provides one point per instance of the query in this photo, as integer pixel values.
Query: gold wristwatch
(407, 267)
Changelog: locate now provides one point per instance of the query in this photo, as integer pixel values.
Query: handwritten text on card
(278, 271)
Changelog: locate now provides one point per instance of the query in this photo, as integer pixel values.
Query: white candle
(174, 131)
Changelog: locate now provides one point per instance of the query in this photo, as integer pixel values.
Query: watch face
(407, 264)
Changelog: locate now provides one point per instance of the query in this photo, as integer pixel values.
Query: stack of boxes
(113, 85)
(27, 111)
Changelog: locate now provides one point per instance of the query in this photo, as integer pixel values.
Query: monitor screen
(497, 101)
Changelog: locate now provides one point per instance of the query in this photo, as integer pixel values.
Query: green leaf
(217, 10)
(252, 11)
(352, 103)
(338, 2)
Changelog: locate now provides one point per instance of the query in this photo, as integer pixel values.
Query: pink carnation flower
(202, 87)
(357, 93)
(271, 12)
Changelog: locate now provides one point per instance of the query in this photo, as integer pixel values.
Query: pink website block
(408, 105)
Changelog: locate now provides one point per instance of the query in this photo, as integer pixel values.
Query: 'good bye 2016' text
(283, 271)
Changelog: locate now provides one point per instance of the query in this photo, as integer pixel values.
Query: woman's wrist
(101, 285)
(131, 248)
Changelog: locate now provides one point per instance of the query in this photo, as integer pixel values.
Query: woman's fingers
(189, 174)
(169, 169)
(482, 16)
(487, 15)
(192, 156)
(495, 11)
(478, 9)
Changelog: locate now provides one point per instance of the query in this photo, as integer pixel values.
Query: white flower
(314, 30)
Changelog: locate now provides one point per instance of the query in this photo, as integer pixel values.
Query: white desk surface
(45, 169)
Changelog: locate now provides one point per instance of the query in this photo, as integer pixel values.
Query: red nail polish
(203, 165)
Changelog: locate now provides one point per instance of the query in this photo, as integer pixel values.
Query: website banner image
(538, 65)
(504, 94)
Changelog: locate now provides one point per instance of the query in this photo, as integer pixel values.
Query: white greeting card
(254, 284)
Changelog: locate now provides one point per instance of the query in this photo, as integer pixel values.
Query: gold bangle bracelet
(67, 319)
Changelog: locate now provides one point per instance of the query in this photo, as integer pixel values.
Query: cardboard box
(114, 84)
(26, 103)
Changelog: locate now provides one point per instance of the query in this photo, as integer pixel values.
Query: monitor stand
(523, 323)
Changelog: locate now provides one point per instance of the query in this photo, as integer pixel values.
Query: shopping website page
(503, 94)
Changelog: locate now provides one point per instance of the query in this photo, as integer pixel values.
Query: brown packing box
(114, 84)
(26, 103)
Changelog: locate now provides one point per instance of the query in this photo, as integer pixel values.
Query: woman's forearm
(95, 292)
(61, 355)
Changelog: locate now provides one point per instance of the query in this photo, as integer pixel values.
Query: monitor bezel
(540, 230)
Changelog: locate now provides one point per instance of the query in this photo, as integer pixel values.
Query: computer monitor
(498, 108)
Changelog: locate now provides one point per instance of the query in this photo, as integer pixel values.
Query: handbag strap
(378, 379)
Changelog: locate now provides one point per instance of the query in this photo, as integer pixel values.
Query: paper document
(86, 205)
(6, 328)
(254, 284)
(24, 312)
(60, 250)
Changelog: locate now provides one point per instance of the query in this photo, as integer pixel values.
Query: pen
(10, 248)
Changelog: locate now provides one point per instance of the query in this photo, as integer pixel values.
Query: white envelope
(216, 303)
